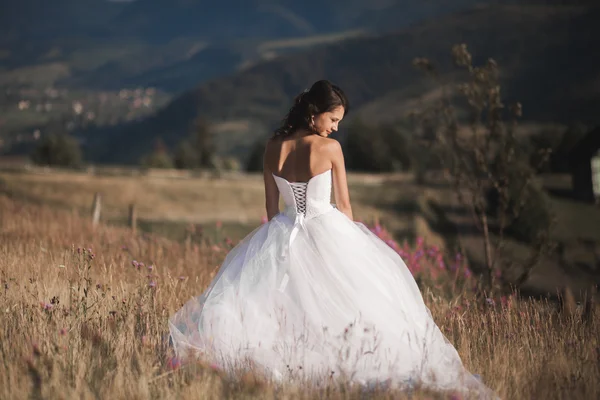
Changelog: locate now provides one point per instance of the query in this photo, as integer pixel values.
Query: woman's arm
(340, 184)
(271, 189)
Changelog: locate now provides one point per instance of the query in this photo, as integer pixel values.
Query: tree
(202, 142)
(365, 148)
(255, 159)
(185, 157)
(483, 157)
(159, 157)
(57, 150)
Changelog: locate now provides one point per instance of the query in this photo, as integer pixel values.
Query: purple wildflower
(173, 363)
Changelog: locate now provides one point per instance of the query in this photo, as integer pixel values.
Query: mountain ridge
(530, 45)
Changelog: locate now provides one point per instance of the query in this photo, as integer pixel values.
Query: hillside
(169, 46)
(542, 50)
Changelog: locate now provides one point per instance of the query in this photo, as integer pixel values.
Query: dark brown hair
(323, 96)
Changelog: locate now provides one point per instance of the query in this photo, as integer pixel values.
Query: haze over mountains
(544, 53)
(239, 61)
(114, 44)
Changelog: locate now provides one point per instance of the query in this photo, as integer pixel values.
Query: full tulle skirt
(321, 299)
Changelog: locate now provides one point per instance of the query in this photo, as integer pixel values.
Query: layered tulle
(320, 298)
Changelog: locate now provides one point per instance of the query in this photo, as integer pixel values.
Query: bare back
(298, 159)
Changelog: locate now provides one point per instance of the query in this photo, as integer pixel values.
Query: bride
(312, 294)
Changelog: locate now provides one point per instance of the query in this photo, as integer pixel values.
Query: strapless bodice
(307, 199)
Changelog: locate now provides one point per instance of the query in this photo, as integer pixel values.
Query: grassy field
(164, 200)
(173, 204)
(78, 320)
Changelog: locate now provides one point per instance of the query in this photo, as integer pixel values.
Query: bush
(255, 159)
(531, 206)
(185, 157)
(159, 158)
(382, 148)
(57, 150)
(230, 164)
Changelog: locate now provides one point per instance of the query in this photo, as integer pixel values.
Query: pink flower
(173, 363)
(420, 242)
(152, 284)
(219, 224)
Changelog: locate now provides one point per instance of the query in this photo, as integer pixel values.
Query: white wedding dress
(312, 294)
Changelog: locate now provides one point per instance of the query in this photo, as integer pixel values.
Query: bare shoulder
(331, 148)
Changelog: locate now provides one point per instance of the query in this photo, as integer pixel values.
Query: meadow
(84, 309)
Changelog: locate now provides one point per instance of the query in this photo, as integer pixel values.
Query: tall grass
(83, 313)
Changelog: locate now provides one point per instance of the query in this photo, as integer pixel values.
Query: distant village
(36, 109)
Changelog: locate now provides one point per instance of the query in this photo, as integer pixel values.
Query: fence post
(96, 209)
(132, 220)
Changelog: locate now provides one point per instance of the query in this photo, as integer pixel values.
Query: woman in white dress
(312, 294)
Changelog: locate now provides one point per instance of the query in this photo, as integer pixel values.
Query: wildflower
(150, 267)
(420, 241)
(173, 363)
(135, 263)
(152, 284)
(490, 302)
(214, 367)
(182, 278)
(219, 225)
(467, 273)
(63, 331)
(124, 248)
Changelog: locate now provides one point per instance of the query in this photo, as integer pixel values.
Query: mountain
(104, 46)
(543, 52)
(96, 36)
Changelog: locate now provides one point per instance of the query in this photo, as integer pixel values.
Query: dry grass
(73, 326)
(178, 197)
